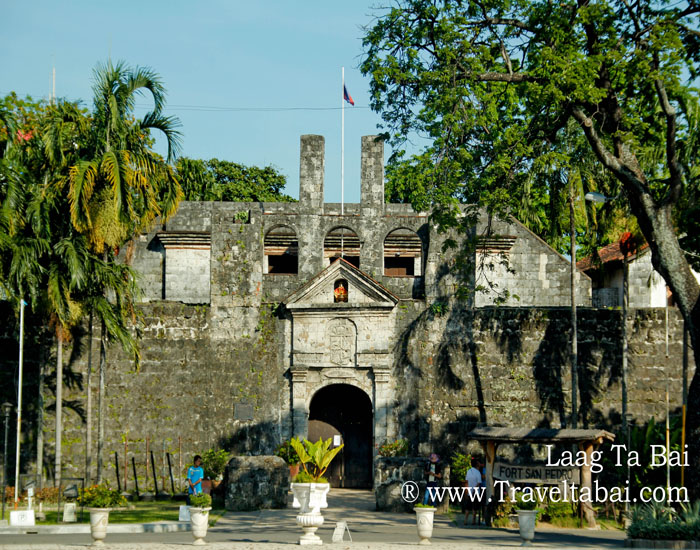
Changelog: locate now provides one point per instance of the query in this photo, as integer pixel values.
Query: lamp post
(574, 320)
(6, 410)
(591, 197)
(600, 198)
(22, 303)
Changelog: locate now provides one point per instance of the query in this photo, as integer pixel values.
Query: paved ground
(276, 530)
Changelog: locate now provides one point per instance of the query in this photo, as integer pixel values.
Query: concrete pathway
(277, 530)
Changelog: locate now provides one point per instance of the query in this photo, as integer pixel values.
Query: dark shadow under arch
(342, 409)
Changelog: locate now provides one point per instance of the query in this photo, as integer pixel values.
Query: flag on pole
(347, 96)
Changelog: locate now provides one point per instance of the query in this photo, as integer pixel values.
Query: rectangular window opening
(283, 264)
(399, 266)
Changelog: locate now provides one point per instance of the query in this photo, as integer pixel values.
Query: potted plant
(310, 487)
(99, 500)
(287, 453)
(424, 521)
(526, 508)
(214, 463)
(200, 504)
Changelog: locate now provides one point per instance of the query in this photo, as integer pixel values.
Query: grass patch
(139, 512)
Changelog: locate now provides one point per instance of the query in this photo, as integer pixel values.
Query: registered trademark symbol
(409, 491)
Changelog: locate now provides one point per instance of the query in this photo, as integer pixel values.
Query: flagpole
(342, 146)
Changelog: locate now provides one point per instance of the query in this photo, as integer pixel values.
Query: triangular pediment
(362, 290)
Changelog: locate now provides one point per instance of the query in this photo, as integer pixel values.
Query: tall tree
(120, 185)
(221, 180)
(46, 256)
(493, 85)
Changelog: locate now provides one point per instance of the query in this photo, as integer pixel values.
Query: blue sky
(210, 55)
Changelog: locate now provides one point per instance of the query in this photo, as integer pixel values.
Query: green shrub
(558, 510)
(460, 466)
(315, 457)
(100, 496)
(394, 448)
(287, 453)
(306, 477)
(522, 503)
(200, 500)
(214, 463)
(659, 522)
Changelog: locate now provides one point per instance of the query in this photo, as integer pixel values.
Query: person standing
(474, 495)
(433, 475)
(195, 474)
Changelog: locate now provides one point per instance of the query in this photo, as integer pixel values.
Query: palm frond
(168, 125)
(82, 183)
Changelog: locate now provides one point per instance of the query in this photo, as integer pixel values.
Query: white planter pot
(424, 523)
(199, 520)
(526, 523)
(310, 498)
(99, 518)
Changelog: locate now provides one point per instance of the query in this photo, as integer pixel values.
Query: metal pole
(6, 409)
(342, 145)
(155, 478)
(668, 448)
(170, 469)
(126, 461)
(625, 304)
(19, 396)
(116, 471)
(136, 479)
(574, 320)
(625, 419)
(146, 478)
(685, 396)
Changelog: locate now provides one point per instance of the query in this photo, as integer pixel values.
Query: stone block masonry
(256, 483)
(241, 334)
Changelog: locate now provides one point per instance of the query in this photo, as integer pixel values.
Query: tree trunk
(88, 408)
(59, 405)
(100, 401)
(669, 260)
(655, 220)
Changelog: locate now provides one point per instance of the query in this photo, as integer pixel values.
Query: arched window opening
(340, 291)
(281, 251)
(342, 242)
(402, 254)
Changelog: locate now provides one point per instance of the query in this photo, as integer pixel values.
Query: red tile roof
(609, 253)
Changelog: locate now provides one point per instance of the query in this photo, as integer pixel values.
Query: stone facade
(245, 330)
(390, 474)
(256, 483)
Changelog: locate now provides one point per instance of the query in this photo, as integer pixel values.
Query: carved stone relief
(341, 336)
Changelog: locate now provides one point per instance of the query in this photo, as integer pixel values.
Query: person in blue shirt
(195, 474)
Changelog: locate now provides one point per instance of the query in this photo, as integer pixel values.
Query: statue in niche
(340, 291)
(341, 341)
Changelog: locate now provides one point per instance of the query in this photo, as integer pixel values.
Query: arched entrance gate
(340, 366)
(344, 412)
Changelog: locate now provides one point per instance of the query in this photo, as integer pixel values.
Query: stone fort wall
(232, 354)
(495, 366)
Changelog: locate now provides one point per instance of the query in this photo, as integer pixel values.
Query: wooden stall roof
(538, 435)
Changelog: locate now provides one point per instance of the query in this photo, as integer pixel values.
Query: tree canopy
(511, 95)
(221, 180)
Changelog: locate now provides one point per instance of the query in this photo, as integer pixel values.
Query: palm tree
(42, 257)
(120, 185)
